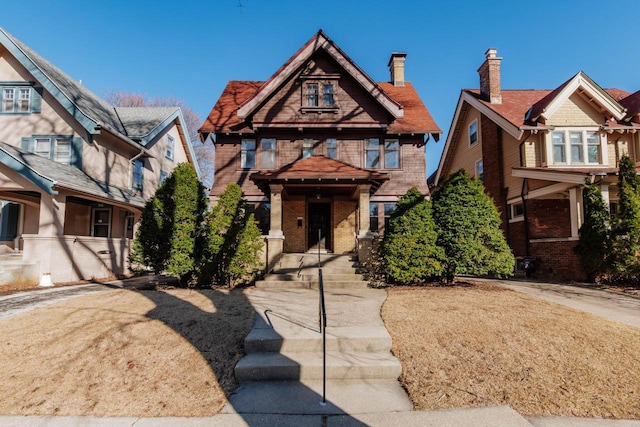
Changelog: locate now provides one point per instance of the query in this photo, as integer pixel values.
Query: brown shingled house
(321, 146)
(533, 149)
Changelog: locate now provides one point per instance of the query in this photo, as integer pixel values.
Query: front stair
(14, 270)
(282, 368)
(301, 271)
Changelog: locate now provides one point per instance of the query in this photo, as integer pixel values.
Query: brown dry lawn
(124, 353)
(482, 345)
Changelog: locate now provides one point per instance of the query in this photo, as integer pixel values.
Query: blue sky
(191, 49)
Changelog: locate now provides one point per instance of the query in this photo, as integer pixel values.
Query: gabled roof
(417, 118)
(580, 82)
(319, 169)
(521, 108)
(224, 115)
(134, 125)
(632, 104)
(50, 176)
(319, 41)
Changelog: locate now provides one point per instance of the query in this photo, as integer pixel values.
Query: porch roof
(319, 170)
(49, 176)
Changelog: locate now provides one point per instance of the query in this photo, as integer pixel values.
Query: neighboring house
(75, 171)
(534, 149)
(321, 146)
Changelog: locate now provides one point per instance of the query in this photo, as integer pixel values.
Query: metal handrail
(323, 325)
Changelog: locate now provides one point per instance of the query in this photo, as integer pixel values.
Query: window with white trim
(391, 154)
(307, 147)
(248, 153)
(20, 98)
(576, 147)
(56, 148)
(170, 147)
(137, 176)
(62, 150)
(480, 170)
(473, 132)
(516, 212)
(331, 145)
(268, 153)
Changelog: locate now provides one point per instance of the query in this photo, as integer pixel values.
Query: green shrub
(468, 225)
(593, 246)
(408, 249)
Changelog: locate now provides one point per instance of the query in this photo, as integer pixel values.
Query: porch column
(365, 236)
(275, 239)
(604, 189)
(48, 245)
(575, 210)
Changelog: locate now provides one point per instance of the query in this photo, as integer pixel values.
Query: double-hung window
(62, 150)
(388, 210)
(8, 99)
(307, 147)
(20, 97)
(43, 147)
(56, 148)
(327, 95)
(373, 217)
(576, 147)
(480, 170)
(137, 178)
(372, 153)
(248, 154)
(312, 94)
(332, 148)
(391, 154)
(268, 153)
(473, 132)
(170, 147)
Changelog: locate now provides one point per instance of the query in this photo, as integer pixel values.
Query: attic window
(318, 94)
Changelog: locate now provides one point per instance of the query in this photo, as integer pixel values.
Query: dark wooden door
(319, 218)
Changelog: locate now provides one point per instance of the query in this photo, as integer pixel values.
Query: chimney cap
(395, 55)
(491, 53)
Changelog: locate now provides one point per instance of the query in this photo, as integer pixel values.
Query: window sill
(319, 110)
(516, 219)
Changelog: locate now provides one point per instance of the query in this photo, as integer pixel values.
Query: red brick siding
(548, 218)
(556, 261)
(344, 226)
(491, 140)
(294, 237)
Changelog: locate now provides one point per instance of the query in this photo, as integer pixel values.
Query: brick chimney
(489, 73)
(396, 68)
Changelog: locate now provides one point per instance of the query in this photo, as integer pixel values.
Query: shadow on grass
(219, 337)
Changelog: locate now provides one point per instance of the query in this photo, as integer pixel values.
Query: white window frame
(397, 150)
(135, 185)
(331, 144)
(585, 132)
(473, 130)
(21, 98)
(42, 153)
(244, 149)
(268, 158)
(513, 217)
(479, 168)
(12, 99)
(367, 149)
(307, 147)
(169, 152)
(58, 155)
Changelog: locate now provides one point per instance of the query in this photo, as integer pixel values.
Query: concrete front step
(350, 339)
(289, 366)
(307, 276)
(312, 284)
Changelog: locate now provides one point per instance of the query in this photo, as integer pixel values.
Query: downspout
(523, 194)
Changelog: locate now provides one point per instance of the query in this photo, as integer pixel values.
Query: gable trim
(320, 41)
(27, 172)
(594, 92)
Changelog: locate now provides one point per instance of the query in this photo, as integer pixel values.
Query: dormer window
(577, 147)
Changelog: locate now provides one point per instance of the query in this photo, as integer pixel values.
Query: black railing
(322, 318)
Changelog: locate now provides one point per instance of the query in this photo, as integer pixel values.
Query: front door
(319, 218)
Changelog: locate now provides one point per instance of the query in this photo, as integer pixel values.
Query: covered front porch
(318, 204)
(61, 221)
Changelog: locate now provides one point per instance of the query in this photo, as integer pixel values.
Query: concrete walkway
(298, 403)
(610, 305)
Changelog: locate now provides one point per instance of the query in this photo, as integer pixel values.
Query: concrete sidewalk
(610, 305)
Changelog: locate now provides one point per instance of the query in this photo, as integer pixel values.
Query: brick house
(75, 172)
(320, 146)
(533, 149)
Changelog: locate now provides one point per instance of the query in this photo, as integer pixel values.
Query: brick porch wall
(344, 225)
(294, 237)
(556, 261)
